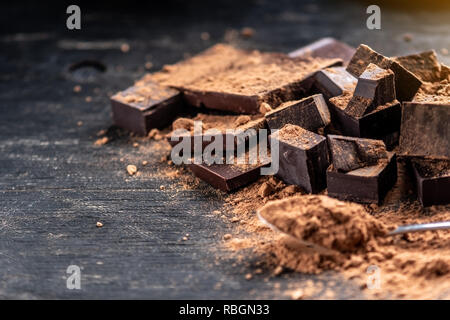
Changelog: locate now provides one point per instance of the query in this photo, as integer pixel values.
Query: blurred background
(173, 28)
(55, 183)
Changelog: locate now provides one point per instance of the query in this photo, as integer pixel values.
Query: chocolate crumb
(132, 169)
(101, 141)
(227, 237)
(265, 190)
(205, 36)
(148, 65)
(247, 32)
(297, 294)
(407, 37)
(124, 47)
(264, 108)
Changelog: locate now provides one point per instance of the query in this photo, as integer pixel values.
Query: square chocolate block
(425, 130)
(271, 78)
(310, 113)
(375, 88)
(363, 185)
(325, 48)
(303, 158)
(145, 106)
(406, 83)
(350, 153)
(432, 181)
(382, 123)
(424, 65)
(153, 103)
(228, 177)
(332, 82)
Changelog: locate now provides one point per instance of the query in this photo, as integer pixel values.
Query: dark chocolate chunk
(432, 181)
(303, 158)
(228, 127)
(375, 87)
(423, 65)
(406, 83)
(265, 77)
(350, 153)
(310, 113)
(325, 48)
(383, 123)
(228, 177)
(145, 106)
(425, 130)
(364, 185)
(332, 82)
(152, 104)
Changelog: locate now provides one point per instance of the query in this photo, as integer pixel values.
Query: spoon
(400, 230)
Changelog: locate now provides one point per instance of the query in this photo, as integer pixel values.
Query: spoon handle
(421, 227)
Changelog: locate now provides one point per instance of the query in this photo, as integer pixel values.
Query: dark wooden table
(55, 184)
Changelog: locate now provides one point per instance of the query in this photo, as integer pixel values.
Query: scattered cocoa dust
(298, 136)
(413, 266)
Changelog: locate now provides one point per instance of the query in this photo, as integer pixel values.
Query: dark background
(55, 184)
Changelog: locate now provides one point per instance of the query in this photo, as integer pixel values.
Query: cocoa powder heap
(328, 222)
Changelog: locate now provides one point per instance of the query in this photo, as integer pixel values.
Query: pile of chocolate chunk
(342, 117)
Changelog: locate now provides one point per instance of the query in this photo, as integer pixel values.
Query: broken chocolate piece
(266, 77)
(406, 83)
(328, 48)
(383, 123)
(425, 130)
(332, 82)
(145, 106)
(228, 177)
(364, 185)
(423, 65)
(349, 153)
(240, 130)
(303, 158)
(310, 113)
(375, 87)
(432, 181)
(140, 108)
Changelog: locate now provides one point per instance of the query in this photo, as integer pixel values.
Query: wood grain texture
(55, 184)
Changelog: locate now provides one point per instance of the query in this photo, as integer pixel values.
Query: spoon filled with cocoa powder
(329, 225)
